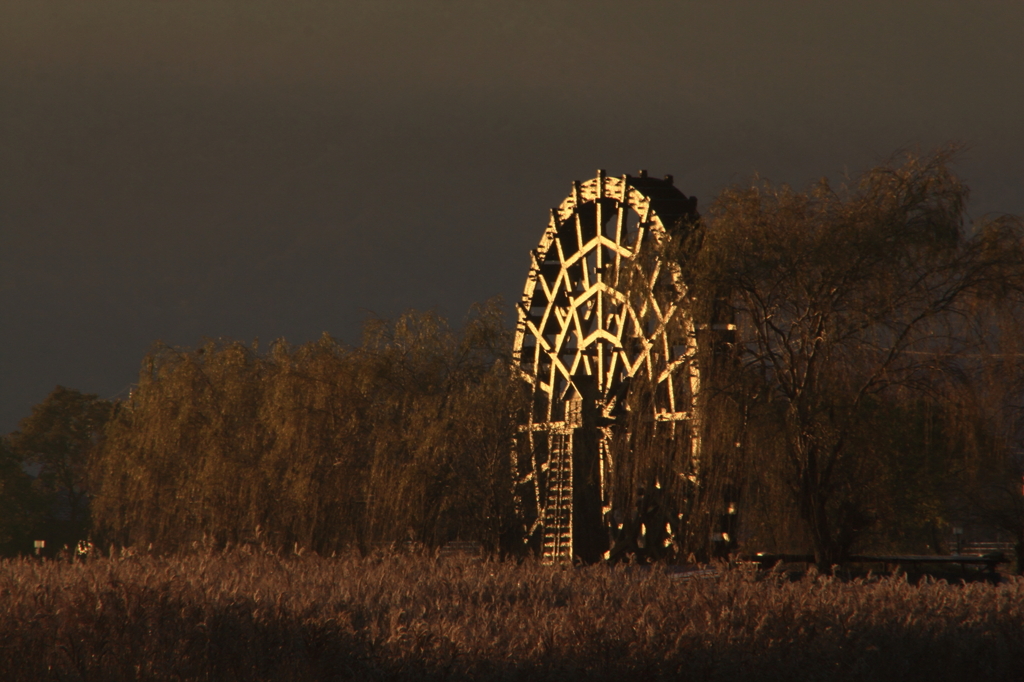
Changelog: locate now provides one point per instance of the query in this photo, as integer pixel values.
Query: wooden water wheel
(606, 348)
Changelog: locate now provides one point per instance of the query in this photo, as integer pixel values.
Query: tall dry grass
(251, 615)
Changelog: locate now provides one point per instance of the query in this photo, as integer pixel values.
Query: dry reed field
(253, 615)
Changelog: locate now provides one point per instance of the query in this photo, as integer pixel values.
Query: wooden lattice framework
(601, 316)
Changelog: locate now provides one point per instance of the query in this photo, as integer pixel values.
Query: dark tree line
(322, 446)
(873, 392)
(55, 444)
(866, 321)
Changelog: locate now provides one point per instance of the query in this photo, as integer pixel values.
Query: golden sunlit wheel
(606, 348)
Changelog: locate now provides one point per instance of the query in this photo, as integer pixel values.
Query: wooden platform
(989, 561)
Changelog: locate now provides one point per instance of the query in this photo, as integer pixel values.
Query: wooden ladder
(557, 547)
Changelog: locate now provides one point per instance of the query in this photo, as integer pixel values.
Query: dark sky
(176, 170)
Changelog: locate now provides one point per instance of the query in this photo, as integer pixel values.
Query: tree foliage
(872, 391)
(989, 406)
(850, 304)
(57, 440)
(19, 507)
(322, 446)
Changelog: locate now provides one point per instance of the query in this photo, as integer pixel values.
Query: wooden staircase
(557, 545)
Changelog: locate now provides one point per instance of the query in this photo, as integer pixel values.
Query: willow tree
(320, 446)
(439, 419)
(842, 296)
(989, 402)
